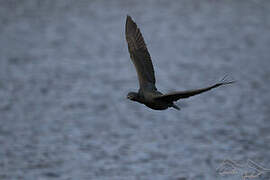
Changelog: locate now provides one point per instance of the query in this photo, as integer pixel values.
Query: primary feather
(175, 96)
(139, 54)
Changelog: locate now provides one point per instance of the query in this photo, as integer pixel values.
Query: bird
(148, 93)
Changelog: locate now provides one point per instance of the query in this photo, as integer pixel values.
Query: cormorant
(148, 93)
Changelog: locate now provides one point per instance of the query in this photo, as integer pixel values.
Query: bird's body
(148, 98)
(148, 93)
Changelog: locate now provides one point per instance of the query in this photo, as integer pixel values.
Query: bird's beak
(129, 97)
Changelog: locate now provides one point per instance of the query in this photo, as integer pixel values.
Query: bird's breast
(157, 105)
(148, 99)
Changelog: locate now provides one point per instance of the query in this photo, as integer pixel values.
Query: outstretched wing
(186, 94)
(139, 54)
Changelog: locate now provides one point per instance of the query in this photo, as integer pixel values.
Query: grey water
(65, 72)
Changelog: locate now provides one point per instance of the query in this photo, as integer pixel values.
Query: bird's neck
(139, 99)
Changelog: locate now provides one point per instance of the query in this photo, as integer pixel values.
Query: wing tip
(128, 16)
(130, 24)
(129, 19)
(224, 81)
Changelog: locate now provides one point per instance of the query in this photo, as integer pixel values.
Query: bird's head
(133, 96)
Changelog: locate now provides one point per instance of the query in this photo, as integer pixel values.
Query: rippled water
(65, 72)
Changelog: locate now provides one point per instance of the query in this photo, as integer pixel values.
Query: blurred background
(65, 72)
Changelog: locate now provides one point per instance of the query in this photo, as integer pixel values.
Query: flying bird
(148, 93)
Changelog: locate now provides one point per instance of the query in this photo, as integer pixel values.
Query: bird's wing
(139, 54)
(174, 96)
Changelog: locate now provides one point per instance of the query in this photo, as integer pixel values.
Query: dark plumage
(148, 93)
